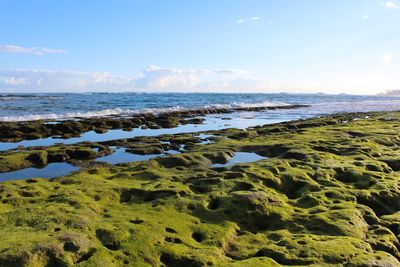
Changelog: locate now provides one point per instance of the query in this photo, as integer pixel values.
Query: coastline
(36, 129)
(324, 193)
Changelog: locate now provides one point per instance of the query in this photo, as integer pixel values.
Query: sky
(300, 46)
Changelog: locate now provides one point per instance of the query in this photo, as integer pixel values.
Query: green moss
(40, 157)
(14, 161)
(327, 195)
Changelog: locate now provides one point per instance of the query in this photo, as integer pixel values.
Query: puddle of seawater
(121, 156)
(181, 148)
(165, 142)
(206, 138)
(50, 171)
(212, 122)
(241, 157)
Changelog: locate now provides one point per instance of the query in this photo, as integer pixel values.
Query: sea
(61, 106)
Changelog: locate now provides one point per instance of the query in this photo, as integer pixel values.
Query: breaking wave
(126, 112)
(24, 97)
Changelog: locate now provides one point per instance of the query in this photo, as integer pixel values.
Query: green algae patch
(326, 195)
(39, 157)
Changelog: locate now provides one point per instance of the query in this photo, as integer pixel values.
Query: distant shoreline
(392, 93)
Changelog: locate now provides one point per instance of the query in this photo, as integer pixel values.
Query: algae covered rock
(328, 195)
(38, 158)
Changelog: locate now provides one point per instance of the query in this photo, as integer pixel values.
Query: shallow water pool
(240, 157)
(121, 156)
(50, 171)
(212, 122)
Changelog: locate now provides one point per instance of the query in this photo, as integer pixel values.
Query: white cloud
(152, 78)
(387, 57)
(38, 51)
(14, 81)
(159, 79)
(390, 4)
(57, 81)
(155, 78)
(368, 17)
(248, 20)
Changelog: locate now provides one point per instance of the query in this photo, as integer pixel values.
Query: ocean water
(25, 107)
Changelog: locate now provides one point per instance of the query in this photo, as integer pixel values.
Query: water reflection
(212, 122)
(50, 171)
(122, 156)
(240, 157)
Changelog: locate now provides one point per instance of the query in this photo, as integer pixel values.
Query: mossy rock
(328, 195)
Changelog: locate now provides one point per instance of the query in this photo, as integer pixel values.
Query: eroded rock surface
(327, 194)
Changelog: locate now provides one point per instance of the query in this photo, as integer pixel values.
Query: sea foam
(126, 112)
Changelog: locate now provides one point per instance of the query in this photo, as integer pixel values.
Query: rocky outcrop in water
(17, 131)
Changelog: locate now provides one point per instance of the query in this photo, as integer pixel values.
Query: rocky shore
(325, 193)
(17, 131)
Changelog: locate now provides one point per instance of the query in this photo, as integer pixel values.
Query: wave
(122, 112)
(22, 97)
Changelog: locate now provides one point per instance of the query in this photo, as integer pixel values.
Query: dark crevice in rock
(170, 260)
(214, 204)
(87, 255)
(378, 206)
(127, 195)
(198, 236)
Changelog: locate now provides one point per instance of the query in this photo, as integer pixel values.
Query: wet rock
(146, 149)
(193, 121)
(83, 154)
(11, 131)
(38, 158)
(220, 157)
(168, 121)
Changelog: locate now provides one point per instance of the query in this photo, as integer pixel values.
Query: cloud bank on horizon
(152, 78)
(38, 51)
(159, 79)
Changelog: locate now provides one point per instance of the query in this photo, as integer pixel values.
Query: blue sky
(350, 46)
